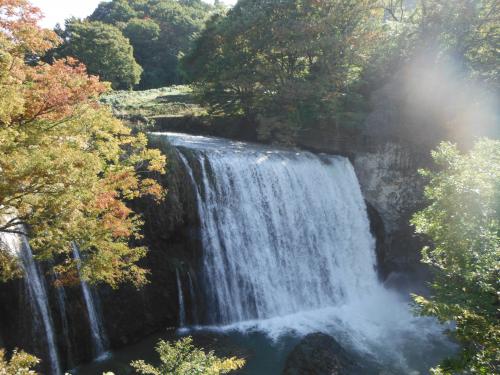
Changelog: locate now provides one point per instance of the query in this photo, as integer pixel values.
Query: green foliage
(159, 31)
(104, 50)
(296, 65)
(20, 363)
(291, 64)
(463, 222)
(466, 30)
(183, 358)
(68, 167)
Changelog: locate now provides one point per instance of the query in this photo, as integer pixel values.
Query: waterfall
(192, 296)
(282, 232)
(182, 309)
(61, 303)
(287, 249)
(96, 326)
(18, 245)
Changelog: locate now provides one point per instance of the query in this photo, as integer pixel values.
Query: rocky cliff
(386, 169)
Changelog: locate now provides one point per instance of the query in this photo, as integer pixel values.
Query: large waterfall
(283, 232)
(287, 248)
(18, 245)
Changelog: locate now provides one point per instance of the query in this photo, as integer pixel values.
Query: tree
(159, 31)
(183, 358)
(113, 12)
(290, 64)
(143, 35)
(20, 363)
(466, 30)
(67, 166)
(463, 222)
(104, 50)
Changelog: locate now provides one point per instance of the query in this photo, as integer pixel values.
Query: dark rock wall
(171, 235)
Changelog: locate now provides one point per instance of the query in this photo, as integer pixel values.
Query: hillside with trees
(159, 31)
(120, 219)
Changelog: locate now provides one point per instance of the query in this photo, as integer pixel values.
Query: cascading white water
(283, 232)
(182, 308)
(18, 246)
(96, 326)
(287, 248)
(61, 303)
(192, 296)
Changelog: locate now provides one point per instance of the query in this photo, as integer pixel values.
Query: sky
(56, 11)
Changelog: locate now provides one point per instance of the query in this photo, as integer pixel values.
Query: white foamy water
(180, 293)
(98, 336)
(288, 250)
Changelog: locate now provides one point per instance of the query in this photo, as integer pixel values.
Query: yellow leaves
(67, 166)
(21, 363)
(183, 358)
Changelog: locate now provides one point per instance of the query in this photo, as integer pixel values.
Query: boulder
(318, 354)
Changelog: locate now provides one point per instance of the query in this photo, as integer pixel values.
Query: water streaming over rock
(283, 232)
(192, 296)
(99, 341)
(180, 293)
(18, 245)
(61, 304)
(287, 248)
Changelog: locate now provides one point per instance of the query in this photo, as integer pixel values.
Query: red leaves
(18, 22)
(54, 91)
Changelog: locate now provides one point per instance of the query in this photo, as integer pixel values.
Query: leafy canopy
(290, 64)
(183, 358)
(67, 166)
(463, 222)
(159, 31)
(104, 50)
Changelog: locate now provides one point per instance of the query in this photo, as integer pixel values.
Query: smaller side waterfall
(192, 295)
(182, 307)
(61, 303)
(18, 245)
(99, 340)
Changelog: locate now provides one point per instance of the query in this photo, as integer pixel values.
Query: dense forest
(283, 68)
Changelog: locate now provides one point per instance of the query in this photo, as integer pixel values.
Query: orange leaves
(18, 22)
(68, 167)
(53, 92)
(114, 214)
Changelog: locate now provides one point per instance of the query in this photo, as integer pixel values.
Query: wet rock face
(318, 354)
(388, 175)
(170, 234)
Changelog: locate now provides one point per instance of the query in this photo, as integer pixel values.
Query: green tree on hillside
(159, 31)
(116, 11)
(463, 222)
(288, 64)
(104, 50)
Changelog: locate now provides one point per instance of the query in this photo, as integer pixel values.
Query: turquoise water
(264, 355)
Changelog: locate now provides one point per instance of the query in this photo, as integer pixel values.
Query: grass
(172, 101)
